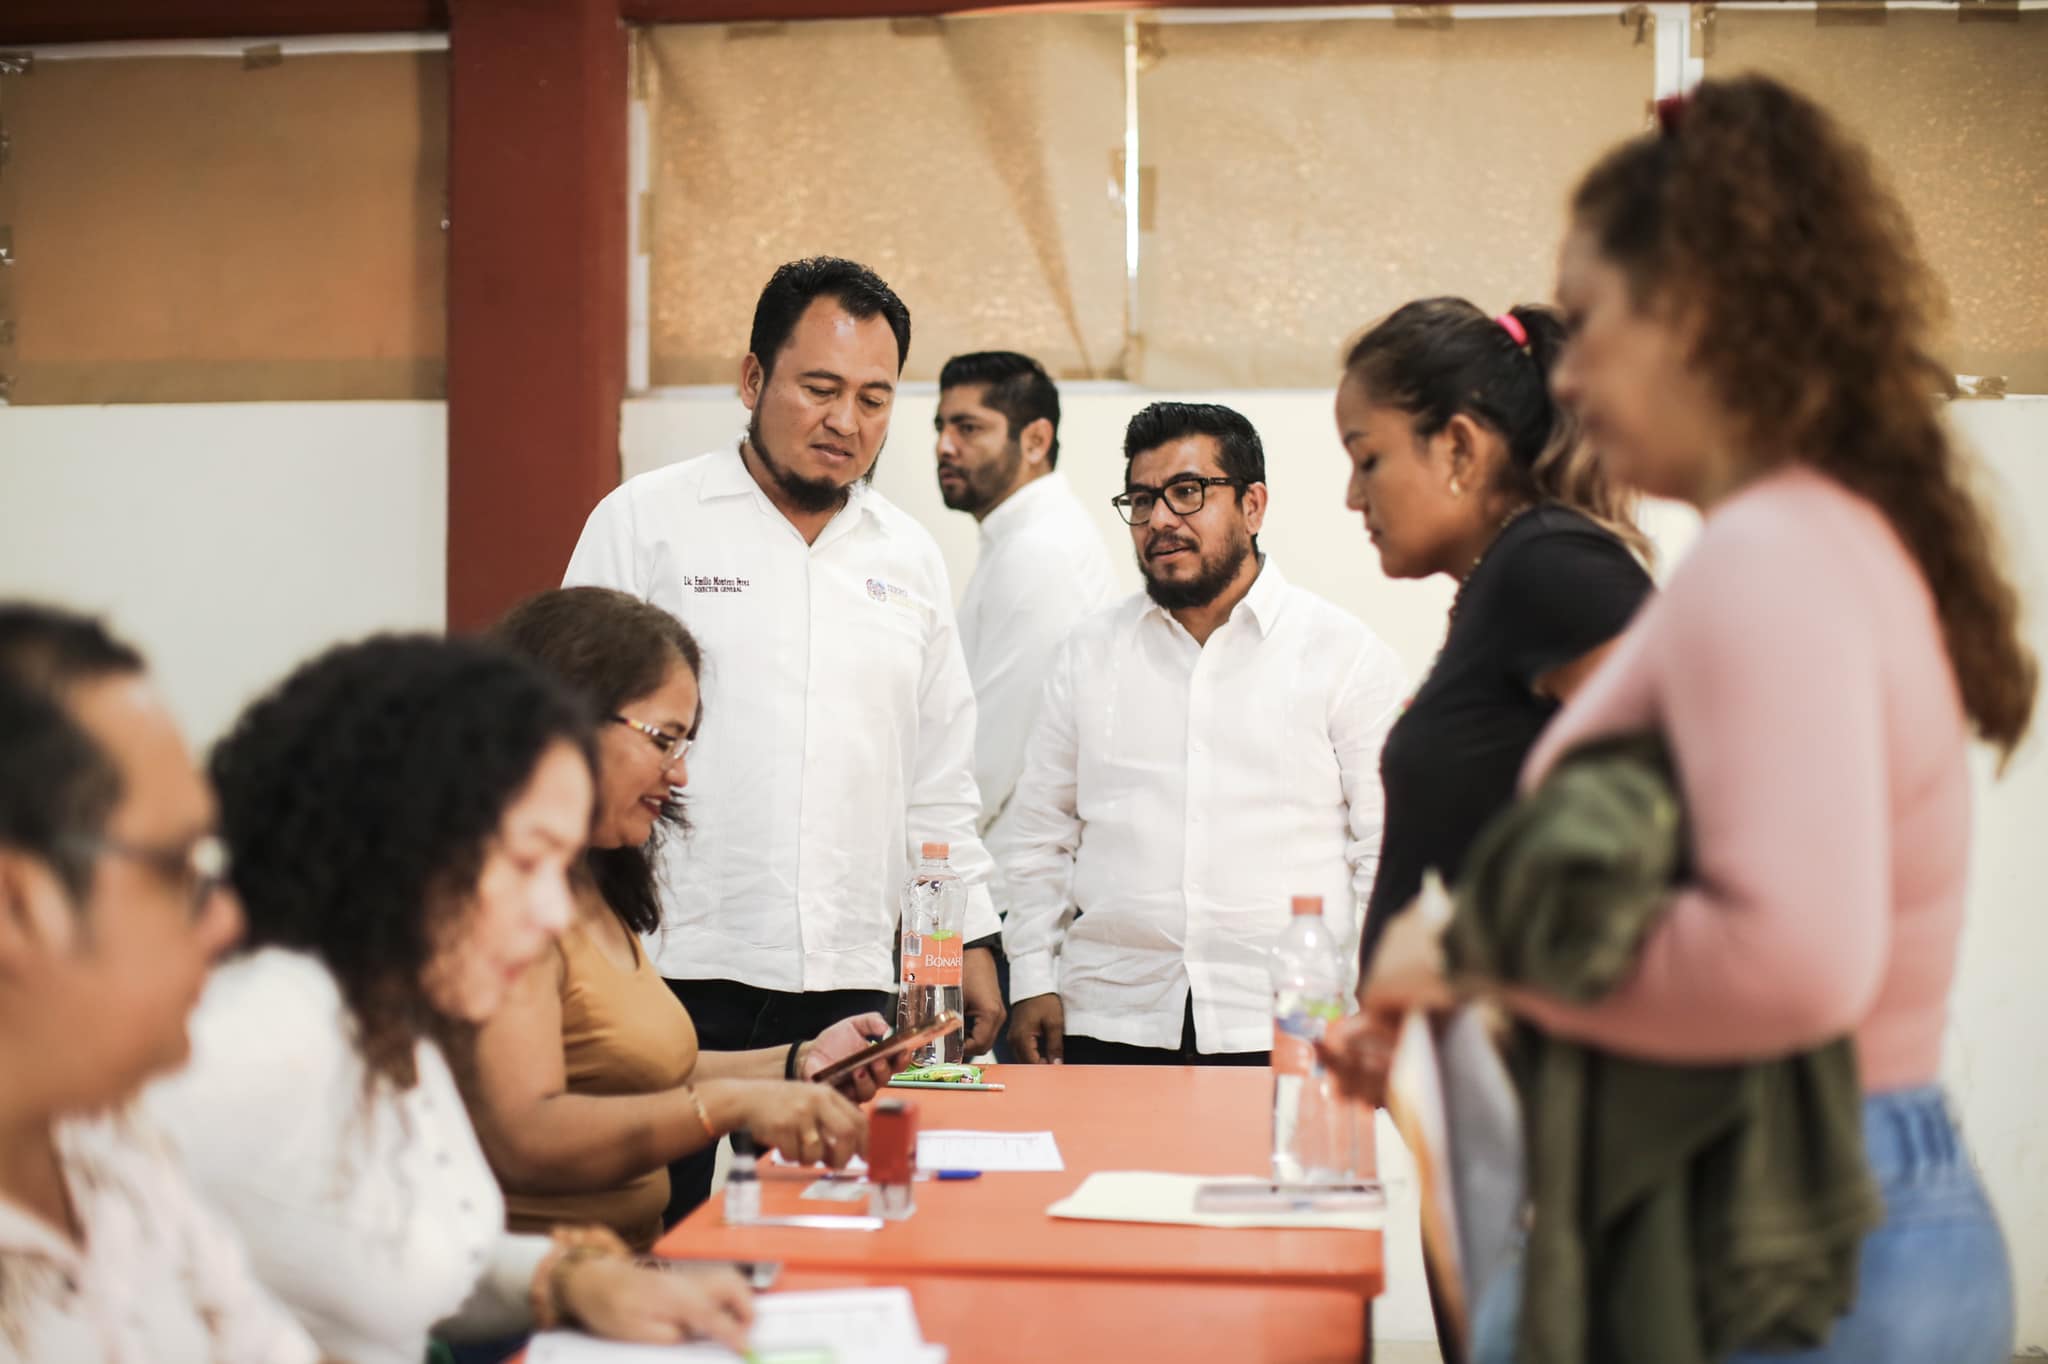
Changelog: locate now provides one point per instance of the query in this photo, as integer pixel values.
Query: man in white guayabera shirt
(1206, 750)
(838, 720)
(1043, 564)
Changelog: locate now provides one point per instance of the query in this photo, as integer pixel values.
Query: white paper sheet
(988, 1151)
(839, 1326)
(1145, 1196)
(959, 1149)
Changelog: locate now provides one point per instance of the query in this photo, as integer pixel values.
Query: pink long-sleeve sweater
(1795, 666)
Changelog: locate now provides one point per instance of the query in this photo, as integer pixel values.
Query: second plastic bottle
(1312, 1123)
(934, 916)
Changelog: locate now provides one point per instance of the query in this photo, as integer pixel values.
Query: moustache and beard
(805, 494)
(979, 489)
(1215, 572)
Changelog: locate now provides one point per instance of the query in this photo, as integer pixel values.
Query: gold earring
(1457, 488)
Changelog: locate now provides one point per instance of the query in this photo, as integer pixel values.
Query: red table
(1193, 1120)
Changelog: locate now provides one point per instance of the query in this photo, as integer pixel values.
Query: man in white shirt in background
(1043, 564)
(1206, 749)
(838, 719)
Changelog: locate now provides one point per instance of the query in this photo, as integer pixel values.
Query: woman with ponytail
(1462, 464)
(1750, 331)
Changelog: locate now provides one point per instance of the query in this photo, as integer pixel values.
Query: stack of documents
(843, 1326)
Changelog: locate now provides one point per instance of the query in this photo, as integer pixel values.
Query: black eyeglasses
(1184, 496)
(672, 746)
(198, 869)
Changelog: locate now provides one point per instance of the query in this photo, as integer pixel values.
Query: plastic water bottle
(1312, 1122)
(934, 915)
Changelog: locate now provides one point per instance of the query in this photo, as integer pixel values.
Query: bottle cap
(936, 850)
(1308, 904)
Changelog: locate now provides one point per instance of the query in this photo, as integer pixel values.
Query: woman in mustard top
(588, 1084)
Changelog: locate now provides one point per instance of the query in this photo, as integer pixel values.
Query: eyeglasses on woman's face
(672, 747)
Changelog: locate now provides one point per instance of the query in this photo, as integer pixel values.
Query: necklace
(1500, 530)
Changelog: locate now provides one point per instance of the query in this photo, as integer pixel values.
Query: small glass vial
(742, 1185)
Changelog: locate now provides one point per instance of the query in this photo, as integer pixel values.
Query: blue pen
(959, 1174)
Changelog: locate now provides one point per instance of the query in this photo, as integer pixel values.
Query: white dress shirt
(1043, 568)
(837, 732)
(158, 1280)
(371, 1213)
(1186, 792)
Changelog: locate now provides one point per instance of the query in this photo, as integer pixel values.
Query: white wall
(1994, 1065)
(228, 541)
(1993, 1068)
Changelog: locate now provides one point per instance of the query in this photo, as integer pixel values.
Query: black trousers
(1091, 1051)
(735, 1017)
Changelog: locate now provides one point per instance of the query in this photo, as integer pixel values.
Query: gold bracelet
(703, 1114)
(572, 1246)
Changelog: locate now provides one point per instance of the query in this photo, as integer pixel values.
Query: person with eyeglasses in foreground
(405, 812)
(111, 915)
(588, 1082)
(1206, 749)
(1751, 330)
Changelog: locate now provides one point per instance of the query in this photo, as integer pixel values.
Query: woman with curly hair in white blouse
(405, 813)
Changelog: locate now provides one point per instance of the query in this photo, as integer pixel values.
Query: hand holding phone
(896, 1044)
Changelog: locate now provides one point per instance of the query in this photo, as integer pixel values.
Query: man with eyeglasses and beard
(1206, 750)
(838, 718)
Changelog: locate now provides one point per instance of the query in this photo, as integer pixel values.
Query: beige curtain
(200, 230)
(1313, 176)
(1957, 113)
(967, 161)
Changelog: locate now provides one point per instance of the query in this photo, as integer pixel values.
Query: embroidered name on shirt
(702, 583)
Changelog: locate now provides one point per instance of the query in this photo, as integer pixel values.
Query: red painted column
(536, 289)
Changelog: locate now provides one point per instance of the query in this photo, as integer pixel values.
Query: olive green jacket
(1679, 1212)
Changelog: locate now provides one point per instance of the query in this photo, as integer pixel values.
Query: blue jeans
(1934, 1285)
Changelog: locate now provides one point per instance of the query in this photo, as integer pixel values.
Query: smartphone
(1240, 1196)
(895, 1044)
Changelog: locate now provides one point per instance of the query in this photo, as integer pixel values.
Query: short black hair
(50, 649)
(612, 648)
(58, 786)
(795, 286)
(1015, 385)
(360, 796)
(1243, 456)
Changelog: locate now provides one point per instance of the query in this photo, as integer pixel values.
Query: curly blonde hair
(1756, 213)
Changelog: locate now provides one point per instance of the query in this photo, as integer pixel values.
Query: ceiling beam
(770, 11)
(34, 23)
